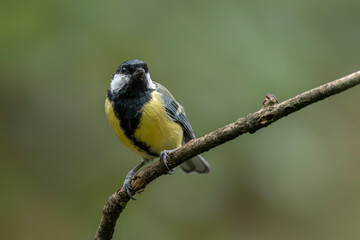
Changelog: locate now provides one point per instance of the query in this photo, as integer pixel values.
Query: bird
(147, 119)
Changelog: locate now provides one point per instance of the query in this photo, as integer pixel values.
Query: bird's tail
(196, 164)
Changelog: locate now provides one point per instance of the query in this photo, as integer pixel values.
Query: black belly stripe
(128, 110)
(143, 147)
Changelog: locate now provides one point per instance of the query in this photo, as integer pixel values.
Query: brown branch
(271, 112)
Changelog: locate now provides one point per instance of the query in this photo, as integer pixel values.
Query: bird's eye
(123, 71)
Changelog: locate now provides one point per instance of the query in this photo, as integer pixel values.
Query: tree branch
(271, 112)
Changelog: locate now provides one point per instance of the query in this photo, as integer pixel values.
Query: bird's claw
(163, 157)
(127, 186)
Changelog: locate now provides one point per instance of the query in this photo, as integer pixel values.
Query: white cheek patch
(118, 81)
(150, 83)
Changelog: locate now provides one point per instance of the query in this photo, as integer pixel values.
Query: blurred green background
(60, 160)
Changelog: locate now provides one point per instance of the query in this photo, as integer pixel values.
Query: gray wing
(176, 112)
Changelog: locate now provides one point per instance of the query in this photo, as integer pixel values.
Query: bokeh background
(60, 160)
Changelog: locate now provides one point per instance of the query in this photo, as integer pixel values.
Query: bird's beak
(139, 73)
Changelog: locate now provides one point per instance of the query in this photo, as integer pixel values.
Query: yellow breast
(155, 128)
(115, 124)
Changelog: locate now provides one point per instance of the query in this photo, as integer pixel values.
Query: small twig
(271, 112)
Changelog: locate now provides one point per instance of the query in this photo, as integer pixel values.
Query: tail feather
(196, 164)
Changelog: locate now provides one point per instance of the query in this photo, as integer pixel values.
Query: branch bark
(271, 112)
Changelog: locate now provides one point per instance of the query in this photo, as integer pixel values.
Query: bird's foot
(163, 157)
(127, 186)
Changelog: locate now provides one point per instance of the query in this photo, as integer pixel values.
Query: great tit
(147, 119)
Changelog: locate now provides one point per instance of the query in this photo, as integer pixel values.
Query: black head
(132, 77)
(130, 66)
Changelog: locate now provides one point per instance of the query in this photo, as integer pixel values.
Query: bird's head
(132, 76)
